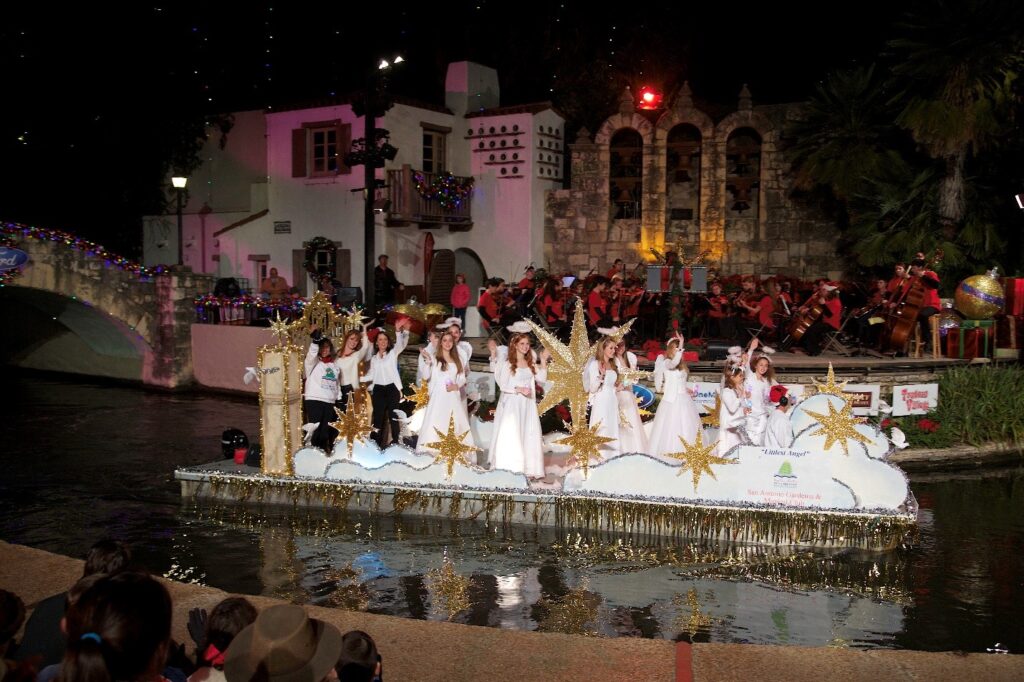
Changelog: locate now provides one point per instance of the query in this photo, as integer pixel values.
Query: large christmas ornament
(980, 297)
(948, 319)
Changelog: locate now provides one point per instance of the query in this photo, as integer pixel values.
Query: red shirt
(718, 306)
(835, 311)
(931, 290)
(488, 306)
(596, 306)
(526, 283)
(460, 295)
(553, 308)
(895, 283)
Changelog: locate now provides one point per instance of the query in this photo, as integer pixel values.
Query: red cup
(240, 454)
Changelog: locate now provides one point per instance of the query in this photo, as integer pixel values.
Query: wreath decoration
(445, 188)
(320, 244)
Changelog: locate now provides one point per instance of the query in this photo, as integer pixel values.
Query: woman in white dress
(446, 375)
(731, 418)
(516, 443)
(600, 380)
(759, 377)
(677, 414)
(355, 348)
(633, 437)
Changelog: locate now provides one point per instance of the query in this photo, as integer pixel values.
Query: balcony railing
(408, 205)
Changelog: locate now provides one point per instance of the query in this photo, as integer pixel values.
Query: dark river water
(82, 461)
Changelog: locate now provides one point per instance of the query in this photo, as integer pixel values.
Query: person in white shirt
(446, 376)
(516, 443)
(779, 433)
(452, 325)
(386, 383)
(677, 415)
(355, 348)
(601, 381)
(759, 377)
(322, 372)
(731, 418)
(632, 436)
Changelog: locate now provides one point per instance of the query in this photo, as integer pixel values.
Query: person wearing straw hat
(516, 441)
(283, 645)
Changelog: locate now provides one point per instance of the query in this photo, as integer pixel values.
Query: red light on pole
(649, 98)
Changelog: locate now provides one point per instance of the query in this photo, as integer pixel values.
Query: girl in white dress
(759, 377)
(445, 377)
(731, 418)
(779, 433)
(516, 443)
(677, 414)
(601, 381)
(633, 437)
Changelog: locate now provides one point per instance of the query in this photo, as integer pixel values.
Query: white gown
(441, 405)
(730, 420)
(516, 443)
(757, 391)
(634, 437)
(779, 433)
(677, 414)
(604, 407)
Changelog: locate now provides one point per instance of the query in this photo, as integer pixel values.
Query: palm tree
(955, 68)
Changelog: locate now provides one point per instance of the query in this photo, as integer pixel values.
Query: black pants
(812, 338)
(321, 413)
(342, 403)
(385, 401)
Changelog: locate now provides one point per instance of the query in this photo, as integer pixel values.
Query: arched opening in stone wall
(743, 175)
(625, 174)
(682, 183)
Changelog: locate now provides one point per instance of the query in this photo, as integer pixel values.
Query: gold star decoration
(838, 426)
(451, 448)
(623, 422)
(450, 587)
(695, 619)
(585, 443)
(628, 375)
(420, 396)
(830, 386)
(565, 371)
(353, 424)
(353, 320)
(281, 329)
(712, 416)
(697, 458)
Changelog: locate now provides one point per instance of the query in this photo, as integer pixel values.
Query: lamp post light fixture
(179, 183)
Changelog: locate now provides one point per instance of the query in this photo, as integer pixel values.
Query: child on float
(633, 437)
(779, 432)
(677, 415)
(731, 417)
(600, 380)
(759, 377)
(516, 439)
(446, 375)
(386, 382)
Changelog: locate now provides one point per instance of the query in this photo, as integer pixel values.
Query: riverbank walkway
(422, 651)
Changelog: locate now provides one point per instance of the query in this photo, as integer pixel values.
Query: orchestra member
(755, 305)
(618, 268)
(931, 304)
(827, 299)
(598, 313)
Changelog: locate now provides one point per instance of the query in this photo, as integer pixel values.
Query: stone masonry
(779, 235)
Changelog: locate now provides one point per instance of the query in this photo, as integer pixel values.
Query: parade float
(832, 487)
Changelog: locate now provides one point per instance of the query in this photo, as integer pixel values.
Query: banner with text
(914, 399)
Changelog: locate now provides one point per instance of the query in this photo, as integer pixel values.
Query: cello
(900, 321)
(802, 321)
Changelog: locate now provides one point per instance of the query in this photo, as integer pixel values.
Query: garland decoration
(444, 188)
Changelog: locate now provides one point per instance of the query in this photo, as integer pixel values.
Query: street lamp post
(179, 183)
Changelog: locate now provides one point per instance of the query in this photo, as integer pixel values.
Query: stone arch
(626, 174)
(469, 263)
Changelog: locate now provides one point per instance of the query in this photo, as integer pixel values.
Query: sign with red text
(914, 399)
(863, 398)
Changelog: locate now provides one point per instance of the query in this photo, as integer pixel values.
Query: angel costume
(731, 421)
(516, 443)
(443, 404)
(677, 414)
(632, 436)
(779, 433)
(756, 390)
(604, 406)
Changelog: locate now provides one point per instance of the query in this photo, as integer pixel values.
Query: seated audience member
(283, 644)
(227, 619)
(43, 636)
(119, 629)
(12, 615)
(274, 287)
(359, 660)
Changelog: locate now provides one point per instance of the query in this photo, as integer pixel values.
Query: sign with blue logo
(11, 258)
(645, 395)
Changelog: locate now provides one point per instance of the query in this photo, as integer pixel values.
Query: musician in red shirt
(527, 281)
(826, 298)
(756, 305)
(931, 304)
(720, 321)
(597, 308)
(618, 268)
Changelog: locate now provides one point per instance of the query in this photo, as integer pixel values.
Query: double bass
(802, 321)
(900, 320)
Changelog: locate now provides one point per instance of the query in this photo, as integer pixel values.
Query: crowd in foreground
(115, 624)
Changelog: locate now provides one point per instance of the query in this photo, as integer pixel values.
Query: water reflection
(82, 461)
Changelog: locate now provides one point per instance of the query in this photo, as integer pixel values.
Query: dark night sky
(89, 89)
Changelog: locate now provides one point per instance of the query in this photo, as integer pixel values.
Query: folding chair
(834, 343)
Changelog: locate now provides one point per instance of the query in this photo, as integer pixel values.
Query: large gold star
(354, 320)
(420, 395)
(830, 386)
(565, 371)
(711, 418)
(698, 459)
(585, 444)
(353, 424)
(451, 448)
(838, 426)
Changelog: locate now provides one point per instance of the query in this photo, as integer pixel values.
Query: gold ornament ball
(979, 297)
